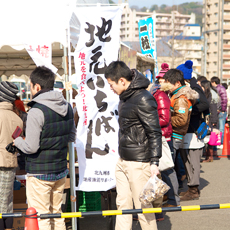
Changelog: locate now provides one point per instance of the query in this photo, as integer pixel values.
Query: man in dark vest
(49, 128)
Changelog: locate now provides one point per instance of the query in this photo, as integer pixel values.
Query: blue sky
(149, 3)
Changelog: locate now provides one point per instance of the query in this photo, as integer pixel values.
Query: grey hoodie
(35, 121)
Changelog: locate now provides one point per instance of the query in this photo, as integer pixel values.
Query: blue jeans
(222, 119)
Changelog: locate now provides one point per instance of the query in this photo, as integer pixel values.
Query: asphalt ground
(214, 188)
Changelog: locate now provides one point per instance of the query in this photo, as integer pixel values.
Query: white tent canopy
(29, 22)
(36, 22)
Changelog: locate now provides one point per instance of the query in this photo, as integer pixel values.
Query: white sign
(97, 130)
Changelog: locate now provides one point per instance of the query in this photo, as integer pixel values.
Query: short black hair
(118, 69)
(201, 78)
(173, 76)
(225, 85)
(43, 76)
(216, 80)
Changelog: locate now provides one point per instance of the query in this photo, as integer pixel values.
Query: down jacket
(181, 108)
(140, 132)
(223, 96)
(164, 113)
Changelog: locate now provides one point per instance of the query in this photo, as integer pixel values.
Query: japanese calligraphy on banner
(147, 38)
(97, 131)
(41, 55)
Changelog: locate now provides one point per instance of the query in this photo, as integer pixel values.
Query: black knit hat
(8, 91)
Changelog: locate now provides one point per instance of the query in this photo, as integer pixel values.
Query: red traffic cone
(31, 222)
(226, 144)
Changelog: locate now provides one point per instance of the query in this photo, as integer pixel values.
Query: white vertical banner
(97, 130)
(41, 55)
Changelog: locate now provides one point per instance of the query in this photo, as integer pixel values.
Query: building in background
(216, 58)
(165, 54)
(164, 23)
(189, 44)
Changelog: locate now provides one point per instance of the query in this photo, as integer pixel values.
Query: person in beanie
(139, 141)
(192, 148)
(8, 161)
(164, 69)
(160, 93)
(49, 128)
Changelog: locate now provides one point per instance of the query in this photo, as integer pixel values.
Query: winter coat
(213, 101)
(140, 132)
(164, 113)
(200, 107)
(8, 123)
(181, 108)
(223, 96)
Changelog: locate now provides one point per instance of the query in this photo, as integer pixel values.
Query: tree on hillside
(184, 8)
(144, 9)
(154, 7)
(163, 6)
(135, 8)
(111, 2)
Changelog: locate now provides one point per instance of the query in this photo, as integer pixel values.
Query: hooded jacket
(36, 121)
(223, 96)
(140, 132)
(8, 123)
(181, 109)
(163, 108)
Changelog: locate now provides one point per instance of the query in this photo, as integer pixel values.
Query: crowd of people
(179, 105)
(169, 111)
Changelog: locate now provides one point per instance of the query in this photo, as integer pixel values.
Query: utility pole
(205, 42)
(222, 41)
(173, 35)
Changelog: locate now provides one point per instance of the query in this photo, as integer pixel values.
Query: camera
(11, 148)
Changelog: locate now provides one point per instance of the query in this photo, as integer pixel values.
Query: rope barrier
(120, 212)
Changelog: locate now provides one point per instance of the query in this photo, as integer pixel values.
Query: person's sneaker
(159, 216)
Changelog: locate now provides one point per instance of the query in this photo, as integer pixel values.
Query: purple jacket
(223, 97)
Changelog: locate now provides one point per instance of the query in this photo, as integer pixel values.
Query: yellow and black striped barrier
(136, 211)
(122, 212)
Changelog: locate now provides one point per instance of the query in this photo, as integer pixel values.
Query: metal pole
(219, 40)
(70, 145)
(205, 57)
(204, 44)
(222, 41)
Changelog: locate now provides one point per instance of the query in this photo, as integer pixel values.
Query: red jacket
(164, 113)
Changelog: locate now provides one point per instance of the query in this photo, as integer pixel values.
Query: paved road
(215, 189)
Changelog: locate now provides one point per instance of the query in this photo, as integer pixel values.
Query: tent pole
(71, 150)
